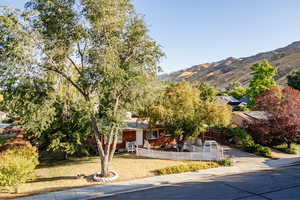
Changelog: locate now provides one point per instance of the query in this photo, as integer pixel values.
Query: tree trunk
(114, 146)
(102, 155)
(104, 166)
(289, 144)
(180, 143)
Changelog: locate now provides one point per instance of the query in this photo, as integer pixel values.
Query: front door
(139, 137)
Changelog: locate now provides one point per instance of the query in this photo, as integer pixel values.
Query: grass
(295, 148)
(63, 175)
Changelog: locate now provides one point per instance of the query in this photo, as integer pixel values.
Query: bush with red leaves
(17, 141)
(283, 123)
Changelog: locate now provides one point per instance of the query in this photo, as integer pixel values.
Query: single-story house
(223, 100)
(138, 131)
(239, 118)
(229, 100)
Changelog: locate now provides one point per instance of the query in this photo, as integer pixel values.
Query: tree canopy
(283, 122)
(207, 93)
(100, 48)
(262, 78)
(184, 115)
(294, 80)
(236, 90)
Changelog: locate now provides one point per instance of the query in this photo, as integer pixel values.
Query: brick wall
(130, 136)
(161, 141)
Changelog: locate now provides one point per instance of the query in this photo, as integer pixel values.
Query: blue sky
(198, 31)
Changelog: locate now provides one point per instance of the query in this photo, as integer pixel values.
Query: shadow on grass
(53, 179)
(130, 156)
(71, 161)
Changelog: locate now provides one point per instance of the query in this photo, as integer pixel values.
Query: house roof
(135, 124)
(258, 115)
(245, 100)
(226, 100)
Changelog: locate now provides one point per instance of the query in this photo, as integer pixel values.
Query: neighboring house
(224, 100)
(138, 131)
(240, 118)
(244, 100)
(229, 100)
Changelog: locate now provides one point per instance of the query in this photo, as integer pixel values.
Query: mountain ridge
(221, 73)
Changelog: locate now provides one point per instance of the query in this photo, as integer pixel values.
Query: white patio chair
(130, 146)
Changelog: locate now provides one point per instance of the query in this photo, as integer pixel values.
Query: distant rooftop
(226, 100)
(257, 114)
(135, 123)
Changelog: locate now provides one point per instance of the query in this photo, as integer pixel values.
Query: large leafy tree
(181, 111)
(294, 80)
(283, 118)
(236, 90)
(262, 78)
(101, 48)
(206, 92)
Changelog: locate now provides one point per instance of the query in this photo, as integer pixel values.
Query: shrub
(245, 141)
(17, 166)
(252, 148)
(225, 162)
(264, 151)
(241, 137)
(187, 168)
(257, 148)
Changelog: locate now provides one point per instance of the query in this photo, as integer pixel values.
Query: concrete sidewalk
(249, 165)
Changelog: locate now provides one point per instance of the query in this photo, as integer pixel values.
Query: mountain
(220, 74)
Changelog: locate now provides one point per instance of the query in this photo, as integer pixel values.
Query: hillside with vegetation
(220, 74)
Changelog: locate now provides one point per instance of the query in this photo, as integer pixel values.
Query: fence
(203, 155)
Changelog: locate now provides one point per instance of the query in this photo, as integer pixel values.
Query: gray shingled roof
(257, 114)
(134, 124)
(226, 99)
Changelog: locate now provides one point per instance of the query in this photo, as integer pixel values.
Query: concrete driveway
(281, 184)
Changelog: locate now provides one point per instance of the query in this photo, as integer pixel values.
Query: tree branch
(113, 127)
(69, 80)
(97, 136)
(74, 64)
(81, 53)
(114, 145)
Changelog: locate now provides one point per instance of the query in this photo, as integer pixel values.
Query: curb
(124, 191)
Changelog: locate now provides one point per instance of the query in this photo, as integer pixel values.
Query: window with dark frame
(168, 133)
(152, 134)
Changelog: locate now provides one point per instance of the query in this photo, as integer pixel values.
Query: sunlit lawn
(295, 148)
(63, 174)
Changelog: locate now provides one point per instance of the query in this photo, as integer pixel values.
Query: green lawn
(63, 175)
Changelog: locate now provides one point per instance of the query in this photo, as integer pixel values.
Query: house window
(153, 134)
(168, 133)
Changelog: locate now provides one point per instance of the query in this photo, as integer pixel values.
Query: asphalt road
(281, 184)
